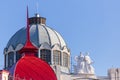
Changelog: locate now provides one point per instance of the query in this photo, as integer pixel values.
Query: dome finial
(37, 5)
(28, 47)
(37, 15)
(28, 34)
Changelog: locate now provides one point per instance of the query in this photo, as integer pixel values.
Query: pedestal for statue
(83, 77)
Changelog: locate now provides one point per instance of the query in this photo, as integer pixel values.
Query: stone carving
(84, 64)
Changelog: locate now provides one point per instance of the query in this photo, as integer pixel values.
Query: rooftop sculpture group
(84, 64)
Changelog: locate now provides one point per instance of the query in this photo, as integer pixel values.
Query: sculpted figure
(84, 64)
(80, 63)
(88, 64)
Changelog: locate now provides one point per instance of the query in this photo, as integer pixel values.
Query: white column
(39, 53)
(61, 58)
(118, 73)
(69, 61)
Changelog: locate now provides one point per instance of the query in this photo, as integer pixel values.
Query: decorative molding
(56, 47)
(45, 46)
(10, 49)
(65, 50)
(18, 47)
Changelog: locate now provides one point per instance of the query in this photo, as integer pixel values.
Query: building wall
(114, 73)
(4, 75)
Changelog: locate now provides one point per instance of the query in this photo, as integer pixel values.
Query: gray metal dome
(51, 46)
(39, 34)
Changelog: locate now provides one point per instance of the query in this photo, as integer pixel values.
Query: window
(5, 59)
(36, 54)
(45, 55)
(18, 56)
(56, 57)
(65, 59)
(10, 59)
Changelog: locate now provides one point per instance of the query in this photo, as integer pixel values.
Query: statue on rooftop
(80, 63)
(84, 64)
(88, 64)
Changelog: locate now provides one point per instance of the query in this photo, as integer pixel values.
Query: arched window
(65, 59)
(56, 57)
(10, 59)
(45, 55)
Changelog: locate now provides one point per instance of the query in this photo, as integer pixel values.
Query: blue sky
(86, 25)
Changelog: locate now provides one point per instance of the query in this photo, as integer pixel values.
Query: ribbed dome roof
(33, 68)
(39, 34)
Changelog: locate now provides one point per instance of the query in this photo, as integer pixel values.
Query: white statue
(88, 64)
(80, 63)
(84, 64)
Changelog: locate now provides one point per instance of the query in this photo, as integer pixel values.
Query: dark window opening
(5, 60)
(36, 54)
(18, 56)
(10, 59)
(45, 55)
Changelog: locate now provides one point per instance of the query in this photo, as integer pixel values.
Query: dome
(51, 46)
(39, 34)
(29, 67)
(33, 68)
